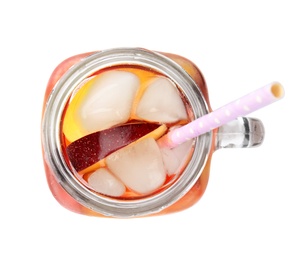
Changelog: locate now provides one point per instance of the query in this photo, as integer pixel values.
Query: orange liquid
(146, 76)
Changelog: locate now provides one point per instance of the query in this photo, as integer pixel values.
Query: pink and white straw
(240, 107)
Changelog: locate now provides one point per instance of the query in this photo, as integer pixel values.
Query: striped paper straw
(240, 107)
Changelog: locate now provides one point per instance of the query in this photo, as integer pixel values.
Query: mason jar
(73, 189)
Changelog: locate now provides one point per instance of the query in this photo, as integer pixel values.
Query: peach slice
(91, 148)
(155, 134)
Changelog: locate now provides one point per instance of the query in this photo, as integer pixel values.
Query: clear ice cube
(108, 101)
(104, 182)
(139, 166)
(176, 157)
(161, 103)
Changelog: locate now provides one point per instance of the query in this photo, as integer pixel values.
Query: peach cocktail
(109, 131)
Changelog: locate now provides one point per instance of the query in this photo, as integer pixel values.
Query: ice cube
(139, 166)
(161, 102)
(176, 157)
(108, 101)
(104, 182)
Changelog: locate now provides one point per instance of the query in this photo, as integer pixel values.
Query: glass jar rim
(51, 132)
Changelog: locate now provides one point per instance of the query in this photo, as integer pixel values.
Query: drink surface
(110, 130)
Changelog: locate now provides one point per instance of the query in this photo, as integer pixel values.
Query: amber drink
(103, 116)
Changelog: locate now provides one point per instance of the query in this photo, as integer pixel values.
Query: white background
(252, 208)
